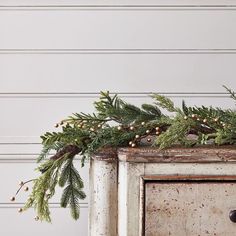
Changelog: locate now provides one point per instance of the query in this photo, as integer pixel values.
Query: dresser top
(177, 154)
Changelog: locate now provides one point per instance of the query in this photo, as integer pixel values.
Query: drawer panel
(189, 208)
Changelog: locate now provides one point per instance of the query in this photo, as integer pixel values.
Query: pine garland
(117, 124)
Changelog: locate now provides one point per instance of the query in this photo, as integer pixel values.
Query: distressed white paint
(128, 198)
(103, 198)
(192, 169)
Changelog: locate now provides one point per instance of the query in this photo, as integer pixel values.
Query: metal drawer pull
(232, 216)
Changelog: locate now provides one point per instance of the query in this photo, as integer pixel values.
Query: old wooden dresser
(178, 191)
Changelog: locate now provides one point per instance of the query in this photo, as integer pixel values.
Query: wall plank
(129, 73)
(139, 29)
(114, 2)
(13, 223)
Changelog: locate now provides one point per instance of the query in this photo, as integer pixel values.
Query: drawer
(189, 208)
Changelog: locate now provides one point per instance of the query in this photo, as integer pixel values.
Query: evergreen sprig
(116, 123)
(232, 93)
(73, 191)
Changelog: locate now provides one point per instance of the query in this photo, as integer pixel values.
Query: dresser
(151, 192)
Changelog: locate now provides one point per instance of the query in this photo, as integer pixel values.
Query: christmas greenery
(117, 124)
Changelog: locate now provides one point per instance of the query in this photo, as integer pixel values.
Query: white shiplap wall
(55, 57)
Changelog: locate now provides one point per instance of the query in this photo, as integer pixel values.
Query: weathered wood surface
(189, 209)
(103, 195)
(106, 154)
(179, 154)
(190, 169)
(129, 198)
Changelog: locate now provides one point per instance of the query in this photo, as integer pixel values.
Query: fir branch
(185, 108)
(47, 148)
(165, 103)
(44, 153)
(117, 123)
(46, 182)
(176, 133)
(232, 93)
(152, 109)
(73, 191)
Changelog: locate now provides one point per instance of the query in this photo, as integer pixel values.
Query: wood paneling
(115, 3)
(13, 223)
(118, 29)
(129, 73)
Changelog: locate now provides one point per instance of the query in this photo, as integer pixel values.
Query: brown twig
(24, 183)
(71, 150)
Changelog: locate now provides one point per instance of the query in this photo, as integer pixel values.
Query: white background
(55, 57)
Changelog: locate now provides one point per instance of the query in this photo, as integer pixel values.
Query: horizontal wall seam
(65, 51)
(94, 97)
(115, 7)
(112, 92)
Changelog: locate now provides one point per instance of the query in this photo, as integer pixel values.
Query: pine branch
(176, 133)
(116, 123)
(232, 93)
(165, 103)
(73, 192)
(46, 149)
(44, 188)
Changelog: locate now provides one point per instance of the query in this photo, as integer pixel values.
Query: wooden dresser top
(179, 154)
(201, 154)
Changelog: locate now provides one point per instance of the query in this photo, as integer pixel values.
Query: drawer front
(190, 208)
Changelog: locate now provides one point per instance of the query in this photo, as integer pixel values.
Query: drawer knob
(232, 216)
